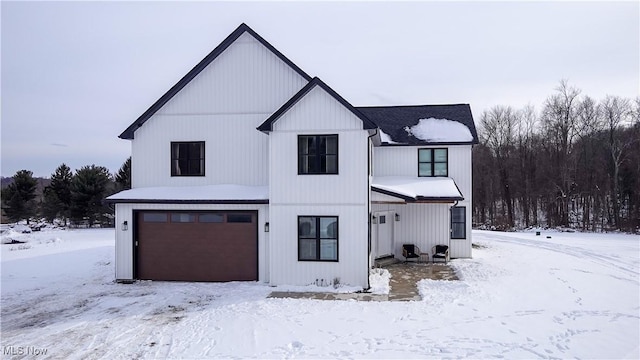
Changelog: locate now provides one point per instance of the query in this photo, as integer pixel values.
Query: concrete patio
(404, 277)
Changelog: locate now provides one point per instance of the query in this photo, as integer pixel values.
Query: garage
(196, 245)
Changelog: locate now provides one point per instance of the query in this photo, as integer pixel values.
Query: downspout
(369, 176)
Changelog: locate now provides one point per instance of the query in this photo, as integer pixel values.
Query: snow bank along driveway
(522, 296)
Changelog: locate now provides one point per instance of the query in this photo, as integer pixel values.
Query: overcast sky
(76, 74)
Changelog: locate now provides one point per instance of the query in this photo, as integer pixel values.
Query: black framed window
(317, 238)
(458, 222)
(433, 162)
(317, 154)
(187, 158)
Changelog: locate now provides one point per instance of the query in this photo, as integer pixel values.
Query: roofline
(433, 143)
(267, 125)
(158, 201)
(407, 106)
(418, 198)
(129, 132)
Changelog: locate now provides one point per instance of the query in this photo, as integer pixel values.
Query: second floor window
(432, 162)
(187, 158)
(317, 154)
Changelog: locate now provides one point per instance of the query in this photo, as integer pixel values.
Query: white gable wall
(222, 106)
(344, 195)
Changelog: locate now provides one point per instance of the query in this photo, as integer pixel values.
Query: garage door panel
(196, 251)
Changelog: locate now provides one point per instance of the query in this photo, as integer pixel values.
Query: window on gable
(432, 162)
(187, 158)
(317, 154)
(317, 238)
(458, 222)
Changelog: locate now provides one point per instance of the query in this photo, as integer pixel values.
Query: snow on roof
(225, 192)
(385, 138)
(417, 188)
(440, 130)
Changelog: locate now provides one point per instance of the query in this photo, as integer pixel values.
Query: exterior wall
(403, 161)
(424, 225)
(124, 239)
(222, 106)
(344, 195)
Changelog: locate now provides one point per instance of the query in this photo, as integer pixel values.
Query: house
(250, 169)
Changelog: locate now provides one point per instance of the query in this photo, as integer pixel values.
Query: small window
(187, 158)
(210, 218)
(432, 162)
(183, 218)
(239, 218)
(317, 154)
(318, 238)
(458, 222)
(383, 219)
(154, 217)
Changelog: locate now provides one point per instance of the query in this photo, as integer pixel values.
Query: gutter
(369, 177)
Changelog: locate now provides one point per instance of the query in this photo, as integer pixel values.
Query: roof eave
(169, 201)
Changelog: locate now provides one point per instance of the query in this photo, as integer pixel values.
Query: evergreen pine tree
(123, 177)
(19, 196)
(88, 189)
(50, 208)
(61, 187)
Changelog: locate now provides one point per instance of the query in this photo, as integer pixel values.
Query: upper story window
(317, 154)
(187, 158)
(432, 162)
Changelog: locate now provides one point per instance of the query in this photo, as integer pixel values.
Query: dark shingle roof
(394, 119)
(128, 133)
(268, 124)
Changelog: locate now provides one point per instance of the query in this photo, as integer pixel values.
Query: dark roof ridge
(408, 106)
(129, 132)
(267, 125)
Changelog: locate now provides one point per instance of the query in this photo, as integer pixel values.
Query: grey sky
(76, 74)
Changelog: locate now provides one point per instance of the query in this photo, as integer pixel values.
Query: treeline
(575, 163)
(75, 198)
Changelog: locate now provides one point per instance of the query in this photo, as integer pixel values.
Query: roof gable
(267, 126)
(394, 121)
(129, 132)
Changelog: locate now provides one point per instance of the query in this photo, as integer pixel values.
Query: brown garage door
(197, 246)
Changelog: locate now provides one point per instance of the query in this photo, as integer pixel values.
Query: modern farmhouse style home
(250, 169)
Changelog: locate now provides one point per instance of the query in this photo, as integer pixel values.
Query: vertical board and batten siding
(124, 239)
(222, 106)
(403, 161)
(344, 195)
(424, 225)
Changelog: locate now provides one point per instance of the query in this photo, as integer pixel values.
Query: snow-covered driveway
(522, 296)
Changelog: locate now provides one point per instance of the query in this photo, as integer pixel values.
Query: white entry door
(384, 234)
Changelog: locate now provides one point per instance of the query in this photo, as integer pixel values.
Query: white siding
(344, 195)
(124, 239)
(403, 161)
(424, 225)
(222, 106)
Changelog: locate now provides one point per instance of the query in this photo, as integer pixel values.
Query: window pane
(440, 155)
(331, 164)
(154, 217)
(303, 145)
(328, 249)
(307, 249)
(211, 218)
(457, 231)
(383, 219)
(183, 217)
(424, 169)
(239, 218)
(332, 145)
(328, 227)
(457, 214)
(311, 166)
(307, 227)
(424, 155)
(440, 169)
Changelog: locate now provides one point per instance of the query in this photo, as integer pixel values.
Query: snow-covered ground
(522, 296)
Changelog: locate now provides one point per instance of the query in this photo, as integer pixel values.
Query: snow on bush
(379, 281)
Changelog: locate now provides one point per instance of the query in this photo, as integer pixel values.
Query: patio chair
(410, 251)
(440, 252)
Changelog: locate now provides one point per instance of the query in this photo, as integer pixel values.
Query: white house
(249, 169)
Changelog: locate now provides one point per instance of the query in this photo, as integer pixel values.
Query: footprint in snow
(296, 345)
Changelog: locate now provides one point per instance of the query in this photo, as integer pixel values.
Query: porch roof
(208, 194)
(418, 189)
